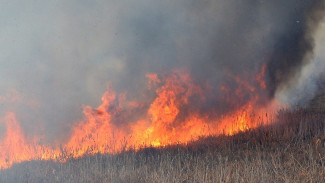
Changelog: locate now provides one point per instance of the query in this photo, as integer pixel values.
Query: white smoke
(311, 76)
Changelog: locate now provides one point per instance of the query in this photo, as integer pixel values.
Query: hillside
(292, 150)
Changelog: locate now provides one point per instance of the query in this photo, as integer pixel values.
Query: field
(291, 150)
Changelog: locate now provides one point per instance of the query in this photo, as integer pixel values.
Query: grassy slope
(291, 151)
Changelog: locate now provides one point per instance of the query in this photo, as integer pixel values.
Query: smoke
(60, 55)
(309, 82)
(294, 48)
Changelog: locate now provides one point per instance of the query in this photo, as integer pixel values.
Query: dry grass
(291, 151)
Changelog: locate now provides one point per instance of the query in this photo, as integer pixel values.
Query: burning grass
(179, 111)
(292, 150)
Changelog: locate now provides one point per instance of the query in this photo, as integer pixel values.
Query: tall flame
(168, 120)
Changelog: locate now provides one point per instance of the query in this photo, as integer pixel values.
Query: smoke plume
(58, 56)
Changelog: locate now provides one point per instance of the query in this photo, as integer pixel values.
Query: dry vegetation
(290, 151)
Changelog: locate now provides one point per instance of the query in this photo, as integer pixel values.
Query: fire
(15, 148)
(170, 118)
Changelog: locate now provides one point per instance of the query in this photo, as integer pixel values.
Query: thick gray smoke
(294, 48)
(59, 55)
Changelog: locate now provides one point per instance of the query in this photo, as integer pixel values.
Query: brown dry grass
(290, 151)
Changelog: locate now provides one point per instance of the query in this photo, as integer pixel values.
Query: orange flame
(14, 148)
(165, 122)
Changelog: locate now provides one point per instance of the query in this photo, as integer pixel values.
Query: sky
(56, 56)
